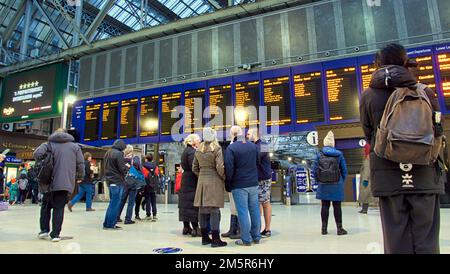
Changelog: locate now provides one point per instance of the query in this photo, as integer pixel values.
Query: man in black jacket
(409, 194)
(115, 171)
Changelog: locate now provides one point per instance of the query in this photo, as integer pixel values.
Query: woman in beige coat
(209, 197)
(365, 193)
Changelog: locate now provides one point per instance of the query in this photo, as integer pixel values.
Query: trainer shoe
(90, 209)
(242, 243)
(43, 235)
(266, 233)
(129, 222)
(56, 239)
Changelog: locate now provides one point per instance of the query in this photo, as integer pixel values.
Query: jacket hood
(331, 151)
(119, 144)
(61, 137)
(391, 77)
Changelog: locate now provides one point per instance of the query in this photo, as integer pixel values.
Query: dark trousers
(55, 200)
(325, 212)
(210, 221)
(22, 196)
(137, 206)
(410, 223)
(34, 195)
(150, 203)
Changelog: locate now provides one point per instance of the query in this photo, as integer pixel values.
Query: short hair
(254, 132)
(128, 150)
(392, 54)
(236, 131)
(87, 155)
(149, 157)
(190, 139)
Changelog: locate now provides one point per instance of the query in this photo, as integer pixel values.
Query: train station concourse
(224, 127)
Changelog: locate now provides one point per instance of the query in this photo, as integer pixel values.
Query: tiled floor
(296, 229)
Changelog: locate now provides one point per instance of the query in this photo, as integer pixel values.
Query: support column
(26, 30)
(78, 15)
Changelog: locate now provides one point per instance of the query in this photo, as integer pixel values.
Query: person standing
(330, 171)
(188, 213)
(241, 167)
(115, 171)
(134, 181)
(13, 191)
(85, 187)
(209, 198)
(23, 184)
(365, 194)
(152, 179)
(68, 167)
(408, 194)
(34, 186)
(264, 180)
(129, 190)
(2, 175)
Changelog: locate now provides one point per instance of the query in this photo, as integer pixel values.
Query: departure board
(366, 73)
(91, 122)
(148, 117)
(109, 120)
(308, 91)
(128, 118)
(247, 95)
(219, 100)
(444, 68)
(277, 94)
(425, 71)
(194, 99)
(168, 103)
(342, 91)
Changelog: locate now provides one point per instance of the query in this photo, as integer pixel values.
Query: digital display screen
(277, 94)
(91, 122)
(444, 69)
(109, 120)
(168, 103)
(149, 120)
(128, 118)
(309, 97)
(31, 94)
(425, 71)
(194, 99)
(219, 100)
(366, 73)
(342, 91)
(247, 95)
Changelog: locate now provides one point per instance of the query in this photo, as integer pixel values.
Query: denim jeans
(115, 194)
(83, 189)
(246, 200)
(129, 193)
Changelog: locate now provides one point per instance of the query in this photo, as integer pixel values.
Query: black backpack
(152, 180)
(43, 168)
(328, 171)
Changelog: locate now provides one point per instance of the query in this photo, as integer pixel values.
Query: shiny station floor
(295, 229)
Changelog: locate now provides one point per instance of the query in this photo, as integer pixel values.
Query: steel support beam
(13, 24)
(26, 30)
(98, 20)
(165, 11)
(215, 4)
(50, 23)
(78, 15)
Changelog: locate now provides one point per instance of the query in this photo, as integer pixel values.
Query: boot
(365, 208)
(230, 231)
(236, 234)
(196, 232)
(324, 228)
(216, 241)
(341, 230)
(205, 238)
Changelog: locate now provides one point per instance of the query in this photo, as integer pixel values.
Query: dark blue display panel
(306, 96)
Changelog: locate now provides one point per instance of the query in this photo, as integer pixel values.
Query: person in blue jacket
(331, 192)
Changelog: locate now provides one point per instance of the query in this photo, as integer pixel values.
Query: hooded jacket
(389, 178)
(69, 163)
(115, 168)
(331, 192)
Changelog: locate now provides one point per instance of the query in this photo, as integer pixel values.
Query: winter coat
(208, 166)
(187, 211)
(69, 163)
(365, 193)
(264, 165)
(387, 178)
(115, 168)
(151, 186)
(331, 192)
(13, 191)
(87, 173)
(241, 165)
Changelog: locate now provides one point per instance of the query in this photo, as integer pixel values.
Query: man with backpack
(67, 167)
(34, 186)
(23, 184)
(151, 173)
(401, 121)
(330, 171)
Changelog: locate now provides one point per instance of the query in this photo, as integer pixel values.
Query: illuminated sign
(247, 103)
(169, 102)
(128, 119)
(219, 100)
(194, 100)
(149, 120)
(342, 91)
(109, 120)
(91, 122)
(309, 97)
(277, 94)
(444, 69)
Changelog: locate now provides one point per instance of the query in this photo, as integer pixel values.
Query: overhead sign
(362, 143)
(33, 94)
(313, 138)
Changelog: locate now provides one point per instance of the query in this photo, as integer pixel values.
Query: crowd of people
(407, 193)
(19, 188)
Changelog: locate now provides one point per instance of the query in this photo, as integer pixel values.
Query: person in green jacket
(13, 187)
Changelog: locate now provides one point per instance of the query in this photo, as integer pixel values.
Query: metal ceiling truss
(162, 9)
(13, 23)
(98, 20)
